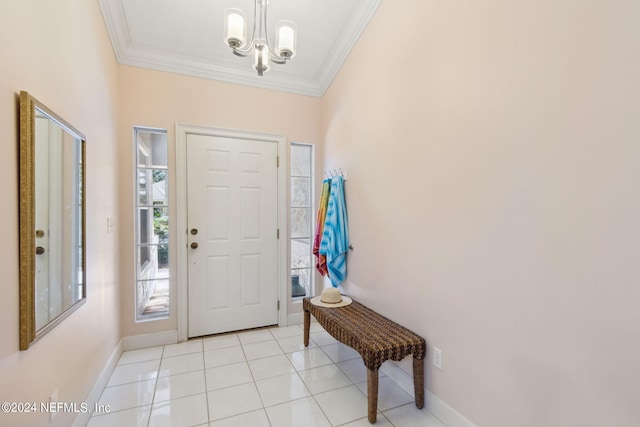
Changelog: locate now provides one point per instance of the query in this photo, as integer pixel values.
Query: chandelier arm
(243, 53)
(250, 48)
(262, 29)
(272, 54)
(266, 33)
(276, 59)
(255, 20)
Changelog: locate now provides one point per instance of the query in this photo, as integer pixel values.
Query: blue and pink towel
(335, 233)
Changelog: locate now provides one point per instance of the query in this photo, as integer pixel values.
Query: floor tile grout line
(255, 385)
(353, 383)
(243, 413)
(155, 389)
(120, 364)
(206, 387)
(278, 342)
(313, 395)
(321, 409)
(122, 410)
(297, 372)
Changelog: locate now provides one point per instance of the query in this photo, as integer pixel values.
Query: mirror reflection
(59, 278)
(52, 276)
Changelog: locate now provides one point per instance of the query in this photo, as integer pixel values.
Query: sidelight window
(152, 224)
(301, 220)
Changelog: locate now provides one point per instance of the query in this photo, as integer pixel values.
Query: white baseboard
(399, 376)
(295, 319)
(94, 395)
(432, 403)
(135, 342)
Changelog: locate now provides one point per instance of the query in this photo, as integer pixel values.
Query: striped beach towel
(321, 260)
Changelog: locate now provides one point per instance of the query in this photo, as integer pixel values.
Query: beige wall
(59, 52)
(159, 99)
(492, 150)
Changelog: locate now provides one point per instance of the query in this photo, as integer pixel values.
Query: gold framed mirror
(52, 219)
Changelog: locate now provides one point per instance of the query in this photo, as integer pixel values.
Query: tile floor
(258, 378)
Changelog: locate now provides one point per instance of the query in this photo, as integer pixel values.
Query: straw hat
(331, 298)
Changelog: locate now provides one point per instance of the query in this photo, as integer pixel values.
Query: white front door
(232, 217)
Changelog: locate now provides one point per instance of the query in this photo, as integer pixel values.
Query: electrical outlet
(437, 357)
(53, 400)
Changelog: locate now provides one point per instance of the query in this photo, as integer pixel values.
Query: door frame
(182, 130)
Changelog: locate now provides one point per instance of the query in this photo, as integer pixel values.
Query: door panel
(232, 202)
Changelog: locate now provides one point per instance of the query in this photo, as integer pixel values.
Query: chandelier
(235, 37)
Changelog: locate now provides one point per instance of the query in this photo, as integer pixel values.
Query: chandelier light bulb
(286, 39)
(235, 28)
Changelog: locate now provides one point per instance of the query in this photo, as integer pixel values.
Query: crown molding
(315, 84)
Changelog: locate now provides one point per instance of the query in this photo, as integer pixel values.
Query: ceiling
(186, 37)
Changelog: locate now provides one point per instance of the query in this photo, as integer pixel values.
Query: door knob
(194, 245)
(194, 231)
(39, 250)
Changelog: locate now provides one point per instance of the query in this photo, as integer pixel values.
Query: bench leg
(307, 325)
(372, 394)
(418, 381)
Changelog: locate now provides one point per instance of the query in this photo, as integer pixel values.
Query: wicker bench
(376, 338)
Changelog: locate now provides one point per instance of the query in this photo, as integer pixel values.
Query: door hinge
(277, 161)
(277, 233)
(278, 304)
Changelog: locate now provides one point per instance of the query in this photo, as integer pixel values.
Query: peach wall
(59, 52)
(492, 150)
(159, 99)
